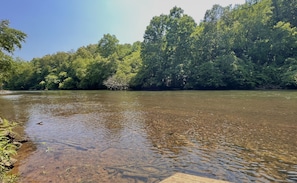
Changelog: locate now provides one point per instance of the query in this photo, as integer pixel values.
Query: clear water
(105, 136)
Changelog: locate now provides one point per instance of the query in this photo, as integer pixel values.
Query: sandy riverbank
(4, 92)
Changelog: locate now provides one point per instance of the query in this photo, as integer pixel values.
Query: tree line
(247, 46)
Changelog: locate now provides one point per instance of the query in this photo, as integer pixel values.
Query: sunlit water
(104, 136)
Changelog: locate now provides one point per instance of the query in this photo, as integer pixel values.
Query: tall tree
(107, 45)
(165, 50)
(152, 53)
(178, 48)
(10, 39)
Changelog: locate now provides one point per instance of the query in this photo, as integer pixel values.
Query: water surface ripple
(104, 136)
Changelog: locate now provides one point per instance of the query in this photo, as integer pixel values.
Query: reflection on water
(103, 136)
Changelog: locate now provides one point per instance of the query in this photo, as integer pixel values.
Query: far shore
(3, 92)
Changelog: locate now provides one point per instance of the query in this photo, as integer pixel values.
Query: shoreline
(13, 139)
(5, 92)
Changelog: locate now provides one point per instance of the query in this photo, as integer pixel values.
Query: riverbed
(146, 136)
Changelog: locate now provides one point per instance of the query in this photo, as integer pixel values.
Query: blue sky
(63, 25)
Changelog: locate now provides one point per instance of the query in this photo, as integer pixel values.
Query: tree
(5, 67)
(253, 45)
(107, 45)
(97, 72)
(289, 76)
(178, 48)
(10, 39)
(166, 52)
(215, 14)
(126, 70)
(21, 75)
(285, 11)
(152, 54)
(52, 81)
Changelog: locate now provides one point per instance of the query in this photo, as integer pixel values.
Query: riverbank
(4, 92)
(10, 143)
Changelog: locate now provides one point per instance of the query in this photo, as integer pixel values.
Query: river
(147, 136)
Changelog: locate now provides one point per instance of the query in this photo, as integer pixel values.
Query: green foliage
(10, 39)
(22, 75)
(5, 67)
(83, 69)
(107, 45)
(67, 84)
(285, 10)
(97, 72)
(127, 69)
(166, 50)
(52, 81)
(289, 77)
(233, 48)
(247, 46)
(7, 149)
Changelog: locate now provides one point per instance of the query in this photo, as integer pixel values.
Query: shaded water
(103, 136)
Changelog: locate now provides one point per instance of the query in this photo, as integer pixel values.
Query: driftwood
(114, 83)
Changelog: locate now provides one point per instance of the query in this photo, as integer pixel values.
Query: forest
(248, 46)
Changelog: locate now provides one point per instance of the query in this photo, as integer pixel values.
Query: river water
(127, 136)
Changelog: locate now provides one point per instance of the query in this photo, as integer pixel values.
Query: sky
(64, 25)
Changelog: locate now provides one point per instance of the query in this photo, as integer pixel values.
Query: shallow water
(104, 136)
